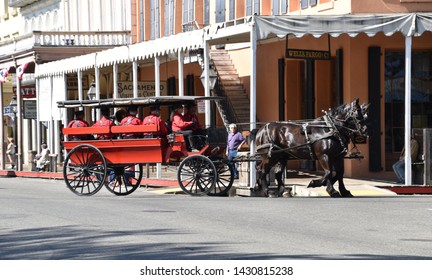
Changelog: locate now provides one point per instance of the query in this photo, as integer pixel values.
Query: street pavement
(297, 181)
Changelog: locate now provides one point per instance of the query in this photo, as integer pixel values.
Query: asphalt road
(42, 219)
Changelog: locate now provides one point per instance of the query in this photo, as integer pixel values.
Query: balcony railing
(79, 39)
(65, 39)
(20, 3)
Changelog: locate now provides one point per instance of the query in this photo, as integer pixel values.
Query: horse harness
(306, 131)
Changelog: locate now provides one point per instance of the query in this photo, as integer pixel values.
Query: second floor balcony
(20, 3)
(60, 39)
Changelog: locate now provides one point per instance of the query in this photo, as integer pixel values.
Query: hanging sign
(30, 109)
(307, 54)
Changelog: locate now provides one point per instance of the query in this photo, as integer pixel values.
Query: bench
(153, 128)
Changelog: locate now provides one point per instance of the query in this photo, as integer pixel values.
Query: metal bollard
(53, 162)
(31, 160)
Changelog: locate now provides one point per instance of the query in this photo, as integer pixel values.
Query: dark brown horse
(324, 139)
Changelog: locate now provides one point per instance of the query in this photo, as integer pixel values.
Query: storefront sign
(30, 109)
(201, 106)
(145, 89)
(307, 54)
(26, 91)
(7, 111)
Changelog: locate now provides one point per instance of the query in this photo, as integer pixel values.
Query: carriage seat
(151, 130)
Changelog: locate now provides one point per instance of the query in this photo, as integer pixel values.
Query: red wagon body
(118, 163)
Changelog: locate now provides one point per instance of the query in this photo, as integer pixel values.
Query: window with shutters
(169, 17)
(252, 7)
(154, 19)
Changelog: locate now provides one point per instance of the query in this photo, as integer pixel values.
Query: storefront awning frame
(267, 27)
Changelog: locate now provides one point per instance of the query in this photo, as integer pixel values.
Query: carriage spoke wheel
(84, 170)
(225, 178)
(123, 179)
(197, 175)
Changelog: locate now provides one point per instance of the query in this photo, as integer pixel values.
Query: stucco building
(365, 45)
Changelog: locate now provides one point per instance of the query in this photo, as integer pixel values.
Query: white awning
(65, 66)
(123, 54)
(412, 24)
(167, 45)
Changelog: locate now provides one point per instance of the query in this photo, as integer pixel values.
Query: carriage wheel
(225, 178)
(123, 179)
(84, 170)
(197, 175)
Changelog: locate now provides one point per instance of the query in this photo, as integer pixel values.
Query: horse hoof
(335, 194)
(346, 194)
(273, 195)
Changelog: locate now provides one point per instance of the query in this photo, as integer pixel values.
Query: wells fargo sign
(145, 89)
(307, 54)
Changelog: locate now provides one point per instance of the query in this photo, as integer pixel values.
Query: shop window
(421, 101)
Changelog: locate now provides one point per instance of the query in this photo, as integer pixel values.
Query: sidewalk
(298, 181)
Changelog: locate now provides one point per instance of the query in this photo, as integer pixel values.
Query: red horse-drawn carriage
(118, 163)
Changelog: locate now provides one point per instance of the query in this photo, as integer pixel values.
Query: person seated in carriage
(131, 119)
(105, 121)
(78, 122)
(154, 118)
(198, 133)
(180, 125)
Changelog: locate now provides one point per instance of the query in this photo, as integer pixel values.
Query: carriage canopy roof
(140, 101)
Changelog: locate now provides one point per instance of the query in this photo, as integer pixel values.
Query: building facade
(247, 41)
(34, 32)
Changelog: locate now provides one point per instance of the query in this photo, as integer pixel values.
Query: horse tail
(252, 135)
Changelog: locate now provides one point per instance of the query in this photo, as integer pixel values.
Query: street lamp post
(91, 94)
(210, 76)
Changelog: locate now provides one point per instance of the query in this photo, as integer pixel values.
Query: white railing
(65, 39)
(78, 39)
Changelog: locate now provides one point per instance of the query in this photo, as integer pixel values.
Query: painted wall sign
(125, 89)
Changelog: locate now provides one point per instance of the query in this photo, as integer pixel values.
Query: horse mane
(340, 110)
